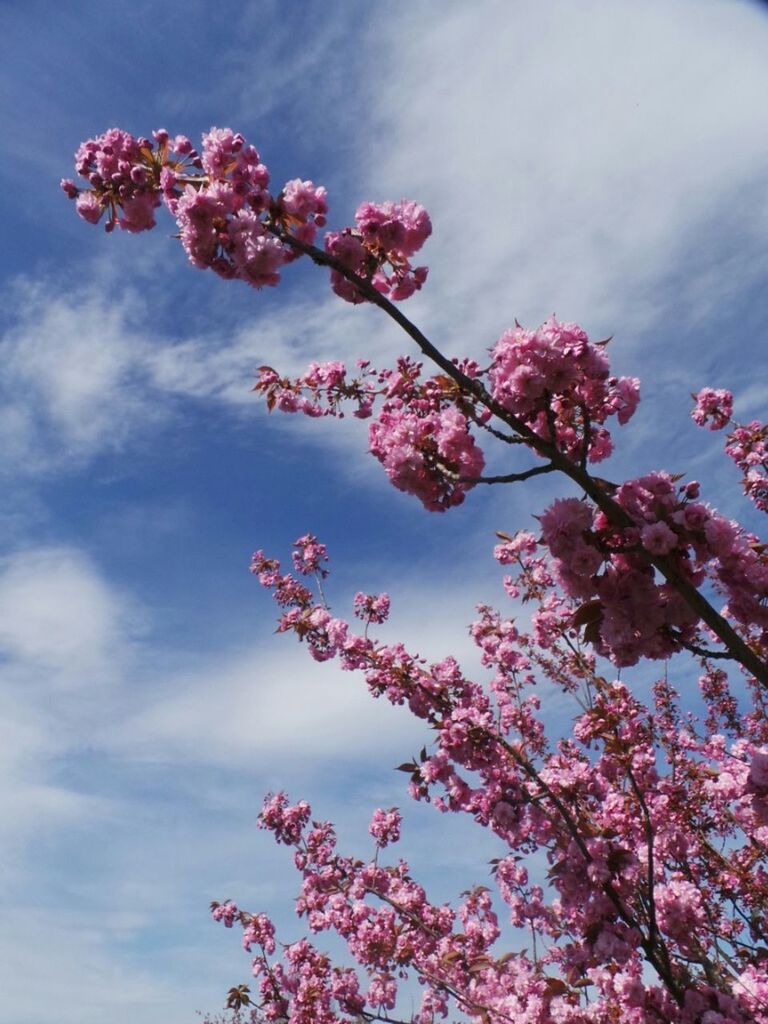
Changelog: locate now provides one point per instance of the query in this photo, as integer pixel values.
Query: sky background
(607, 161)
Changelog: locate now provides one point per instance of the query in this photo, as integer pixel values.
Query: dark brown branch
(506, 438)
(654, 937)
(741, 651)
(660, 963)
(508, 478)
(702, 652)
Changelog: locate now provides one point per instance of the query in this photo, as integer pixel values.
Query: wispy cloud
(66, 638)
(574, 155)
(59, 617)
(69, 376)
(88, 373)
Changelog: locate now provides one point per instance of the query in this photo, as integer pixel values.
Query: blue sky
(607, 161)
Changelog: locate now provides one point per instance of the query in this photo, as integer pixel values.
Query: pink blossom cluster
(385, 826)
(285, 820)
(123, 179)
(226, 912)
(680, 912)
(633, 813)
(746, 444)
(555, 380)
(431, 454)
(379, 249)
(220, 221)
(714, 408)
(228, 220)
(422, 436)
(757, 785)
(309, 556)
(628, 612)
(371, 607)
(419, 435)
(321, 391)
(552, 379)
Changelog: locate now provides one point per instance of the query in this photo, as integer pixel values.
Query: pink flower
(385, 826)
(372, 607)
(139, 212)
(714, 407)
(226, 912)
(564, 524)
(432, 456)
(555, 379)
(680, 912)
(658, 538)
(303, 199)
(89, 207)
(400, 229)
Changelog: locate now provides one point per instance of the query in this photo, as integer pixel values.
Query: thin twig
(508, 478)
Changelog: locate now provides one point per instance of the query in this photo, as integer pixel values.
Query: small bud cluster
(123, 174)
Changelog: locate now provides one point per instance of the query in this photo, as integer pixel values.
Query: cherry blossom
(633, 869)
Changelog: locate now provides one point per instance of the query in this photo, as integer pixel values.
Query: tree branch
(507, 478)
(742, 652)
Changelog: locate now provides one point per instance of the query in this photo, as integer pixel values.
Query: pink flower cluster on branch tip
(228, 220)
(309, 556)
(379, 250)
(430, 454)
(372, 607)
(419, 435)
(558, 382)
(714, 408)
(385, 826)
(746, 444)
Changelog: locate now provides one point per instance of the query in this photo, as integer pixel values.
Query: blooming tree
(653, 822)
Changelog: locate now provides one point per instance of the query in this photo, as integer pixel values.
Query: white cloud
(252, 708)
(66, 640)
(63, 966)
(69, 375)
(86, 374)
(573, 154)
(58, 617)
